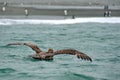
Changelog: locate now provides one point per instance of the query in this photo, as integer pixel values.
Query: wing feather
(73, 52)
(31, 45)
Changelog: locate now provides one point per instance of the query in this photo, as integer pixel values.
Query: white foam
(66, 21)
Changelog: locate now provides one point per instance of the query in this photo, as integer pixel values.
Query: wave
(79, 76)
(7, 70)
(65, 21)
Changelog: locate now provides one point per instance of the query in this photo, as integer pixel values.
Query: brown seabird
(51, 53)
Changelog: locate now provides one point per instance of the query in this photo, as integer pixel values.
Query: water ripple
(76, 76)
(7, 70)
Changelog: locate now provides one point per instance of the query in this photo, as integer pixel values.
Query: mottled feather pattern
(33, 46)
(65, 51)
(73, 52)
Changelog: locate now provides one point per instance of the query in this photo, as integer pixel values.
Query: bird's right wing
(74, 52)
(31, 45)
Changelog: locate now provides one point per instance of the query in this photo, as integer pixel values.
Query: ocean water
(97, 37)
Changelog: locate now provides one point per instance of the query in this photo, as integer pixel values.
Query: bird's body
(41, 55)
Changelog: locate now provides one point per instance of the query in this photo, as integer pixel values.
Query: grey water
(101, 41)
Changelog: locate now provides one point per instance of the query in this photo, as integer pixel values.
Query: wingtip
(84, 58)
(16, 43)
(8, 44)
(90, 60)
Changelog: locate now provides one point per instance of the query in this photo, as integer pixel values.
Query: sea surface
(97, 37)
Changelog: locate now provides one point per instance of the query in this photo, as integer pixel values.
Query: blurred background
(59, 8)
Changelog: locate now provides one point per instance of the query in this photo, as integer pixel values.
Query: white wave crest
(66, 21)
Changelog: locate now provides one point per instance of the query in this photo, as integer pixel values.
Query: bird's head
(50, 50)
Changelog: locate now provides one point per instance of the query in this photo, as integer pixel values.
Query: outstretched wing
(73, 52)
(33, 46)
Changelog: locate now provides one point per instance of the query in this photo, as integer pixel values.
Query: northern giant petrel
(51, 53)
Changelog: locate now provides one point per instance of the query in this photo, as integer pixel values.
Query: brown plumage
(50, 53)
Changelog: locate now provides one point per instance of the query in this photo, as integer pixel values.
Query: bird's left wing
(31, 45)
(74, 52)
